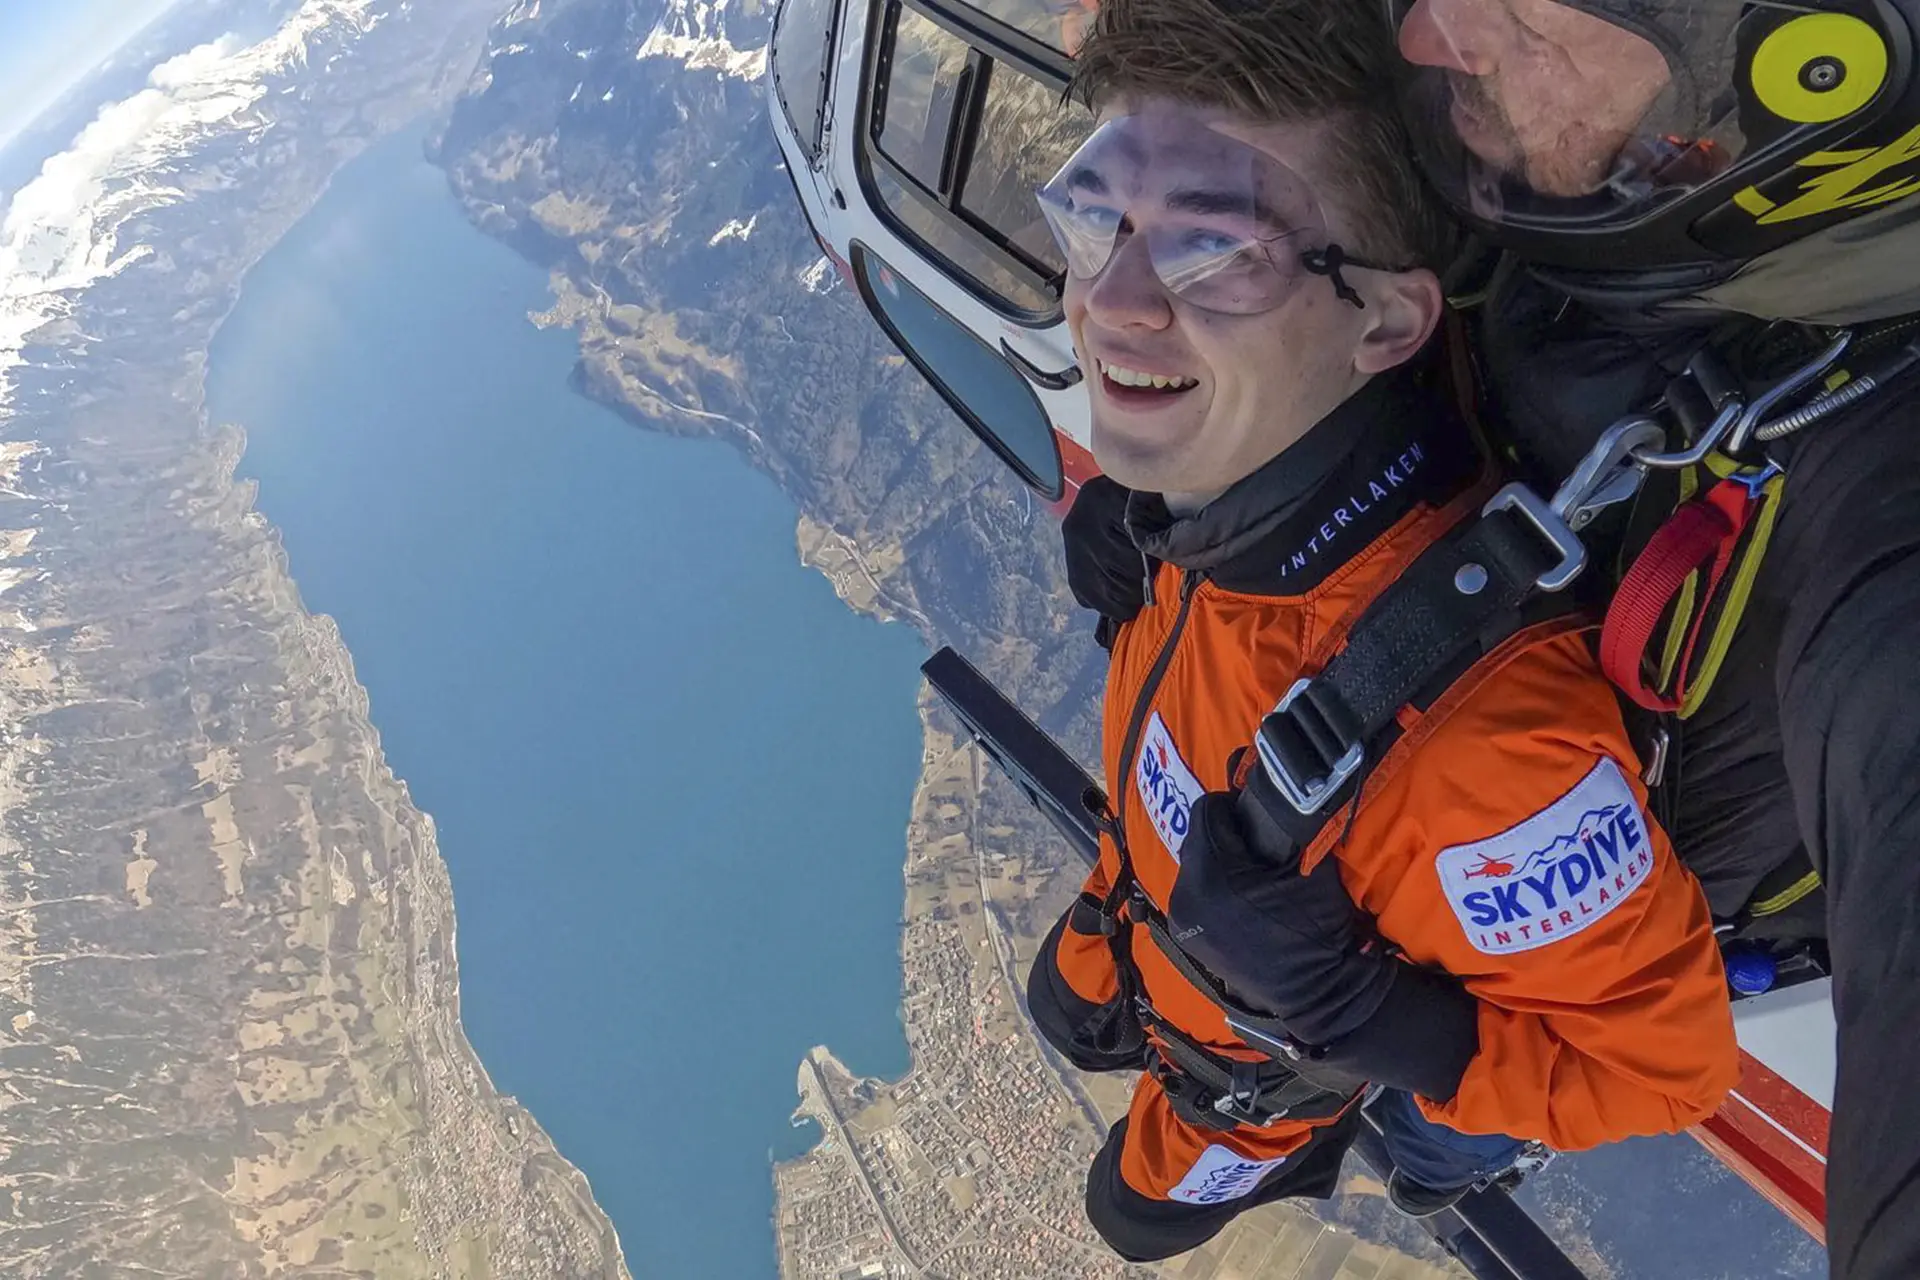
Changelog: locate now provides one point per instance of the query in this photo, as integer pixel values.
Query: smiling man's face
(1238, 389)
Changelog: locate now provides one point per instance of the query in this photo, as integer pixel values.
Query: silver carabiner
(1798, 380)
(1736, 421)
(1610, 473)
(1716, 431)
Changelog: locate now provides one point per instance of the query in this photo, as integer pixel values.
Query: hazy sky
(47, 45)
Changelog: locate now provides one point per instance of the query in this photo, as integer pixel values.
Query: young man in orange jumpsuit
(1494, 931)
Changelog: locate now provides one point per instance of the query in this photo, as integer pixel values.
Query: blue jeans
(1436, 1157)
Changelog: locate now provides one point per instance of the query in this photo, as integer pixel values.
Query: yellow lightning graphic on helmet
(1845, 185)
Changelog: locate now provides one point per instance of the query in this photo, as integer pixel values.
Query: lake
(670, 770)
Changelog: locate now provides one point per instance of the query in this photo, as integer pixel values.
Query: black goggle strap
(1328, 261)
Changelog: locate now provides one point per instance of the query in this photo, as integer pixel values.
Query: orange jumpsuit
(1507, 844)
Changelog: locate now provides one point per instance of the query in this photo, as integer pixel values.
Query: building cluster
(972, 1167)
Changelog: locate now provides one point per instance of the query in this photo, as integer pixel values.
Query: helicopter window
(970, 376)
(803, 35)
(961, 136)
(965, 252)
(1058, 24)
(926, 85)
(1025, 135)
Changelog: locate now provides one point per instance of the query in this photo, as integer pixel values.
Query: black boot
(1416, 1201)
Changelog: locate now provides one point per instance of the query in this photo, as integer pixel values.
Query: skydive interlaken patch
(1558, 872)
(1222, 1174)
(1167, 787)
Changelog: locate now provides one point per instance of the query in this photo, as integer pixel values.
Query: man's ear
(1402, 309)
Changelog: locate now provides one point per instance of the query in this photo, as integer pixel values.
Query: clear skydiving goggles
(1227, 227)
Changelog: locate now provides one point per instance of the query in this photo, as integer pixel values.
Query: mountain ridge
(229, 1031)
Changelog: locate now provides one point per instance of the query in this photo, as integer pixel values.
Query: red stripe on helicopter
(1775, 1137)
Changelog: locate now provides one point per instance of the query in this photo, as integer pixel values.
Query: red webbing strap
(1706, 529)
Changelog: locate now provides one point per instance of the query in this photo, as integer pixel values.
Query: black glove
(1106, 572)
(1295, 948)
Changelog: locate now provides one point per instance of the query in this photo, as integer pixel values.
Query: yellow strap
(1780, 901)
(1683, 605)
(1739, 588)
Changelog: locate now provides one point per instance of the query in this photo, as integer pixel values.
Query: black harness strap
(1242, 1092)
(1464, 596)
(1211, 987)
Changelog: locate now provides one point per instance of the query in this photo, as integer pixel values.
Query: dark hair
(1284, 62)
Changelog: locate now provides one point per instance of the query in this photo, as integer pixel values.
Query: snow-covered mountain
(67, 228)
(696, 32)
(601, 43)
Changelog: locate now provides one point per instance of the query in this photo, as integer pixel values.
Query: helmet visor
(1596, 110)
(1225, 227)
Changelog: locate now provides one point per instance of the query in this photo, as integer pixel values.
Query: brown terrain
(230, 1042)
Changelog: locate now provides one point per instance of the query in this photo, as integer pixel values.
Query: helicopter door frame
(991, 44)
(812, 145)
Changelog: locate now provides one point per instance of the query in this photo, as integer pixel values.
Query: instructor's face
(1544, 92)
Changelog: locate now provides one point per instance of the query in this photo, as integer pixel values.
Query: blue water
(671, 771)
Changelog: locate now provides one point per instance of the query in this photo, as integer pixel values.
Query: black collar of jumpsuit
(1396, 443)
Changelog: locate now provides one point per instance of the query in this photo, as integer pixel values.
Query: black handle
(1045, 773)
(1039, 377)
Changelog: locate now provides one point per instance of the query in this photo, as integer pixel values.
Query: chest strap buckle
(1306, 754)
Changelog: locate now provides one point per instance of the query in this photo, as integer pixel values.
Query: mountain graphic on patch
(1551, 853)
(1555, 874)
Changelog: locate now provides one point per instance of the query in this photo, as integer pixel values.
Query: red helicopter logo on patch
(1491, 867)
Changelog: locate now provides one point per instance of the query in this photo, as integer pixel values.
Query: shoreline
(316, 1102)
(515, 1124)
(514, 1133)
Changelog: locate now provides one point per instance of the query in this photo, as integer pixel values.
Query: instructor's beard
(1565, 159)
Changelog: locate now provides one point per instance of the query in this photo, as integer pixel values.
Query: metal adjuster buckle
(1309, 795)
(1558, 534)
(1239, 1103)
(1246, 1113)
(1656, 771)
(1271, 1045)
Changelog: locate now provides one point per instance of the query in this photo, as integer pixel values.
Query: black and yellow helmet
(1675, 139)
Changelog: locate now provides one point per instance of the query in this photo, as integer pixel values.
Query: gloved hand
(1288, 945)
(1294, 947)
(1105, 571)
